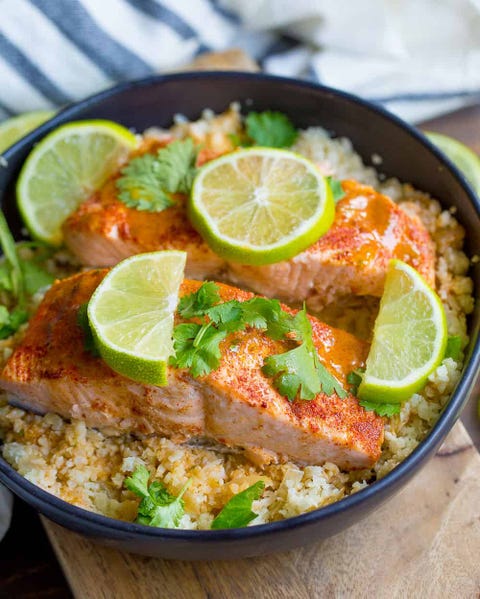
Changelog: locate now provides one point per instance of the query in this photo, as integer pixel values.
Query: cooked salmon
(235, 405)
(351, 258)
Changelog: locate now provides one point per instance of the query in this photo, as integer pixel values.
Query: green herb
(148, 181)
(295, 372)
(270, 129)
(157, 508)
(13, 270)
(354, 379)
(35, 276)
(337, 189)
(454, 347)
(299, 371)
(10, 322)
(197, 347)
(88, 340)
(237, 512)
(382, 409)
(197, 303)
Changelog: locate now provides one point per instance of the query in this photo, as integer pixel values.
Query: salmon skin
(351, 258)
(235, 405)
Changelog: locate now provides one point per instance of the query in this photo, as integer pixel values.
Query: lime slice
(17, 127)
(409, 337)
(464, 159)
(131, 315)
(260, 205)
(64, 169)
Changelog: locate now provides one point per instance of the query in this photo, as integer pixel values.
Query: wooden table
(28, 567)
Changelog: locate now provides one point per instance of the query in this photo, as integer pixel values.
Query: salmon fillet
(235, 405)
(351, 258)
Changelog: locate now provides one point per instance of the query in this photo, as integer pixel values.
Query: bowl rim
(403, 471)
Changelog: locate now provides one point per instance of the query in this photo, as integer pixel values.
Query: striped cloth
(416, 57)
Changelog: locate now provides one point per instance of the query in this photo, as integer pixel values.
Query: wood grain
(423, 543)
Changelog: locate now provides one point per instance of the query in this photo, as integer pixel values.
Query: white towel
(416, 57)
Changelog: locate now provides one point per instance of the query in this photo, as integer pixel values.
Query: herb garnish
(354, 379)
(270, 129)
(337, 189)
(158, 507)
(197, 345)
(237, 512)
(148, 181)
(382, 409)
(299, 371)
(19, 278)
(454, 347)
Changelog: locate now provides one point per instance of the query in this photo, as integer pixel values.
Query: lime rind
(131, 314)
(229, 211)
(462, 156)
(64, 169)
(13, 129)
(400, 335)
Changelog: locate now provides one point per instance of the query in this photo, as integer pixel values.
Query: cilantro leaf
(176, 165)
(35, 276)
(147, 182)
(12, 262)
(294, 373)
(5, 280)
(237, 512)
(158, 507)
(454, 347)
(299, 371)
(263, 313)
(138, 481)
(337, 189)
(197, 303)
(270, 129)
(11, 322)
(88, 340)
(197, 347)
(140, 185)
(382, 409)
(354, 379)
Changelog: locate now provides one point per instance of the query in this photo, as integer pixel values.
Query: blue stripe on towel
(165, 15)
(79, 27)
(30, 72)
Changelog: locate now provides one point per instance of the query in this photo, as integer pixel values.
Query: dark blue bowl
(406, 154)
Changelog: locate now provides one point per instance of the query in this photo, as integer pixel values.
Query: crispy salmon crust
(236, 405)
(351, 258)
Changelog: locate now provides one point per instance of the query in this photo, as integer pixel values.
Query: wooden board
(424, 543)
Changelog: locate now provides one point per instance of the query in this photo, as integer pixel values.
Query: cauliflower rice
(87, 467)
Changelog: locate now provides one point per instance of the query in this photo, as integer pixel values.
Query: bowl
(406, 154)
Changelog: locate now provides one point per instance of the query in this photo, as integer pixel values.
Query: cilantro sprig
(158, 507)
(161, 509)
(237, 512)
(270, 129)
(354, 379)
(337, 189)
(148, 181)
(298, 372)
(19, 278)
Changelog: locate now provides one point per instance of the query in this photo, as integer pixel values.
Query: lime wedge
(260, 205)
(464, 159)
(131, 315)
(409, 337)
(17, 127)
(64, 169)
